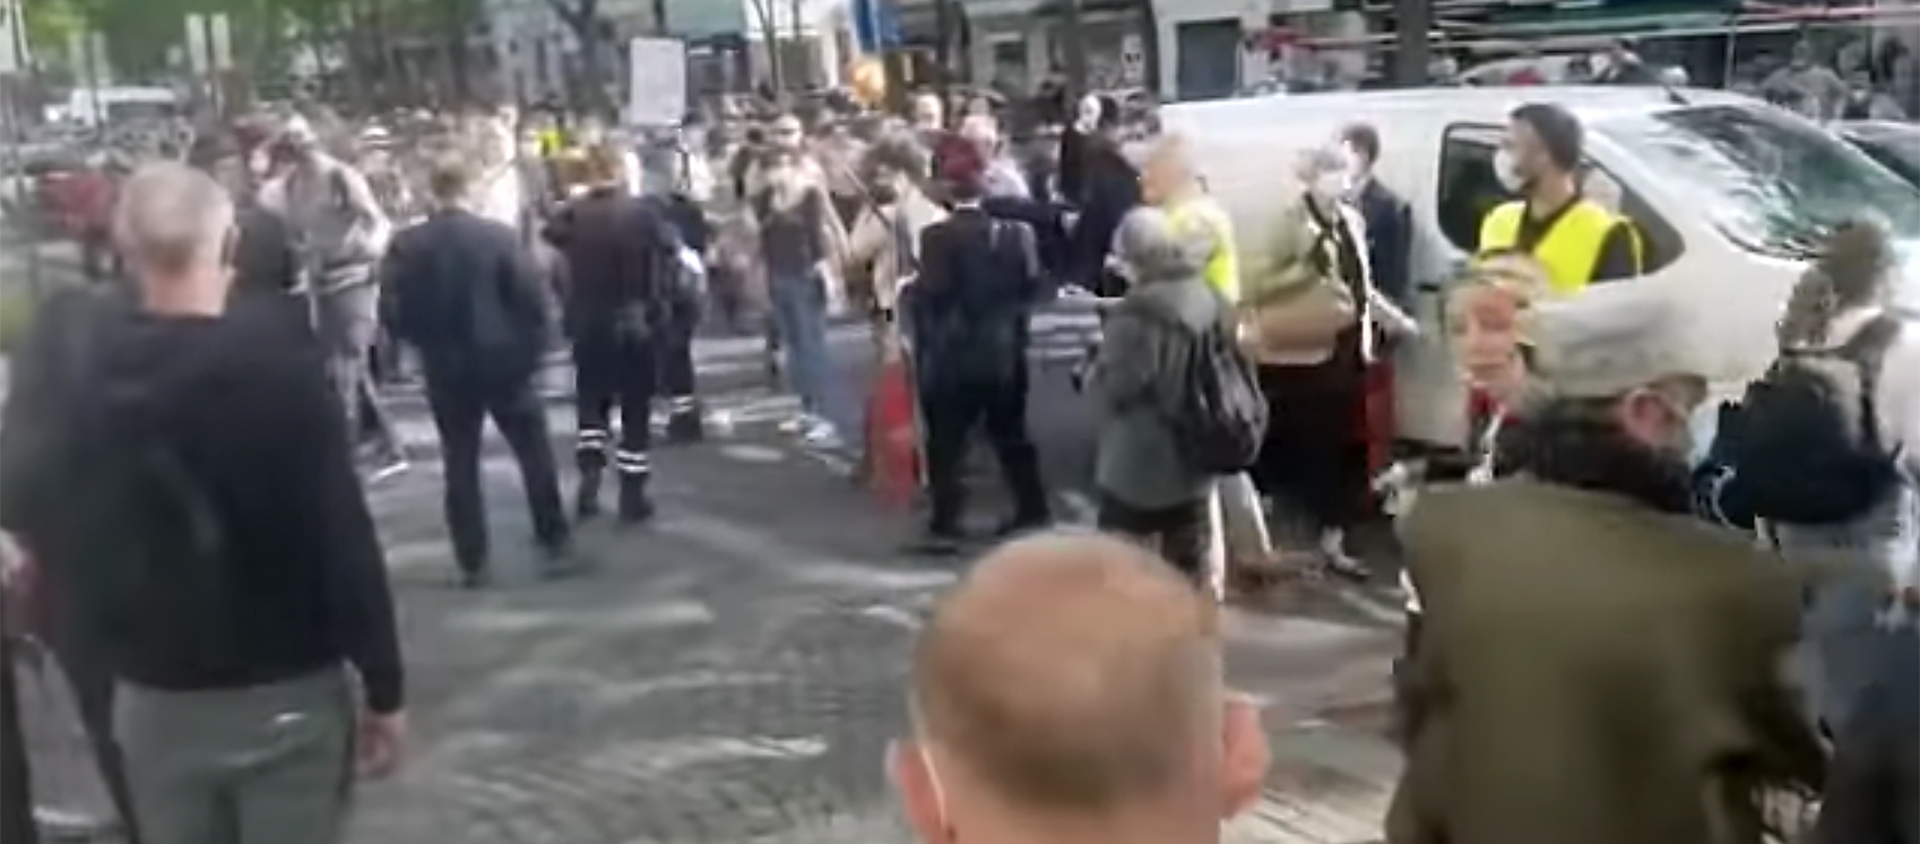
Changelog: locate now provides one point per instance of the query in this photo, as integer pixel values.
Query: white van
(1730, 195)
(94, 107)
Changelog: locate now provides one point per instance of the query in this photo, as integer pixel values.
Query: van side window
(1468, 189)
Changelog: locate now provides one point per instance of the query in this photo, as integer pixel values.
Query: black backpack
(1221, 416)
(146, 545)
(1807, 446)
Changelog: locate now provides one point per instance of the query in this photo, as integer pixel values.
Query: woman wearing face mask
(1308, 320)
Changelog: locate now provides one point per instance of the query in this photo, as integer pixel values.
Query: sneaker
(64, 825)
(387, 467)
(822, 434)
(796, 424)
(938, 543)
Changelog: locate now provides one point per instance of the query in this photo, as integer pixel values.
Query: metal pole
(1076, 47)
(1412, 20)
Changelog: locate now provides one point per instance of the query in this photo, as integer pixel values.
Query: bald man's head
(1070, 674)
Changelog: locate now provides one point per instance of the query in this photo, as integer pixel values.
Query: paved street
(734, 671)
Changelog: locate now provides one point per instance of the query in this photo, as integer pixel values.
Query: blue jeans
(800, 315)
(1844, 617)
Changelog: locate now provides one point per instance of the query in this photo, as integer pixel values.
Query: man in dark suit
(463, 290)
(968, 311)
(1388, 218)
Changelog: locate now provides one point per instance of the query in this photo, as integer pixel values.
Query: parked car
(1895, 145)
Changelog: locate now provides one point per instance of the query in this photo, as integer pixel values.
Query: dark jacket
(979, 278)
(1873, 792)
(1389, 227)
(1110, 187)
(264, 258)
(463, 290)
(1595, 672)
(622, 265)
(241, 408)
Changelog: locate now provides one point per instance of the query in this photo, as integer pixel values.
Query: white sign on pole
(656, 82)
(197, 44)
(221, 37)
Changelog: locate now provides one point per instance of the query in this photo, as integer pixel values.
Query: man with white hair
(1004, 179)
(342, 233)
(240, 596)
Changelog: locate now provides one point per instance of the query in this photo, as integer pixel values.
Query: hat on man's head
(1609, 340)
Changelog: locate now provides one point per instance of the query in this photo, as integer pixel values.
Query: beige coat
(1278, 284)
(874, 244)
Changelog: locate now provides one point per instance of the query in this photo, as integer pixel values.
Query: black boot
(684, 426)
(586, 497)
(635, 506)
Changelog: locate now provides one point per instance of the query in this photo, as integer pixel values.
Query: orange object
(893, 438)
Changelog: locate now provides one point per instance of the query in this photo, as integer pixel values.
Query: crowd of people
(1604, 668)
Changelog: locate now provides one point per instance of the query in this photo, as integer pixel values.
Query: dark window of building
(1208, 66)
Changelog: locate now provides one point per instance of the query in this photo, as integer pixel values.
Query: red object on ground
(1378, 416)
(79, 203)
(893, 454)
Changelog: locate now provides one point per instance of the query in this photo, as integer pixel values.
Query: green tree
(51, 26)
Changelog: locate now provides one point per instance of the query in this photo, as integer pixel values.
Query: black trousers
(951, 409)
(82, 659)
(609, 372)
(1178, 532)
(16, 783)
(676, 368)
(461, 403)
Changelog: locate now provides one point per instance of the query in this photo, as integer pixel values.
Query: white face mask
(1331, 184)
(1503, 169)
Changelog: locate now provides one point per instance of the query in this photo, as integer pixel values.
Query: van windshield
(1770, 183)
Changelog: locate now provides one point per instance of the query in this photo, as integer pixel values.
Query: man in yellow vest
(1576, 239)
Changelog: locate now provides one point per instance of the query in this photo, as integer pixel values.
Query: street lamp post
(1412, 20)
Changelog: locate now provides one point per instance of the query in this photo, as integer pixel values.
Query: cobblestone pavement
(733, 672)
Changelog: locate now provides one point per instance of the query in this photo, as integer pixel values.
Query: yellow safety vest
(1570, 249)
(1222, 270)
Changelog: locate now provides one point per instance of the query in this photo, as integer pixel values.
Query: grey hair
(1851, 272)
(1316, 160)
(170, 217)
(1154, 247)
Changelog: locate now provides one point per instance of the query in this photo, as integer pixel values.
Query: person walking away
(1141, 742)
(343, 234)
(794, 219)
(979, 278)
(242, 600)
(1823, 452)
(622, 265)
(678, 198)
(1599, 616)
(1311, 318)
(1577, 239)
(1170, 180)
(462, 290)
(1149, 485)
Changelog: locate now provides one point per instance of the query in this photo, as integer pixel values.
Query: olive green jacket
(1593, 672)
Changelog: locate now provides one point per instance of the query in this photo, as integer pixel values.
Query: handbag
(1302, 314)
